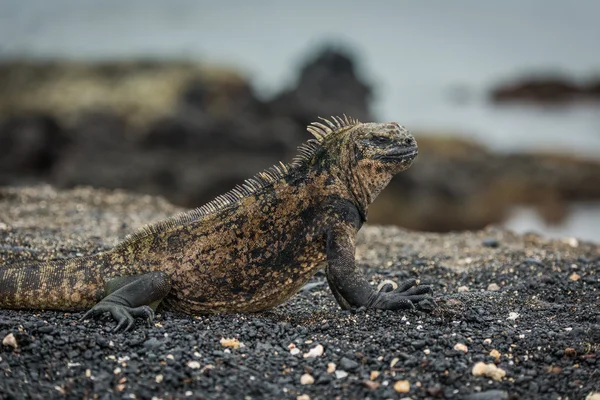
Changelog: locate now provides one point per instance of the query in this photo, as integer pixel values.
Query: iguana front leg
(132, 296)
(351, 288)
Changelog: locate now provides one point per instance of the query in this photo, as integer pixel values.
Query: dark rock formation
(546, 91)
(190, 133)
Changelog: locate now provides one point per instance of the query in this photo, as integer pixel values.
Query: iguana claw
(125, 316)
(404, 297)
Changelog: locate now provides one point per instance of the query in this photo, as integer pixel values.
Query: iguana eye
(380, 140)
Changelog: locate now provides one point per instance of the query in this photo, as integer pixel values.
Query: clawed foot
(125, 316)
(403, 298)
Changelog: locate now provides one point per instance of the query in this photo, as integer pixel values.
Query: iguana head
(367, 155)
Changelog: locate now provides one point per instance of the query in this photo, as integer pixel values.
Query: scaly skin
(248, 250)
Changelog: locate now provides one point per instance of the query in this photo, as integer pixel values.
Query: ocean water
(432, 63)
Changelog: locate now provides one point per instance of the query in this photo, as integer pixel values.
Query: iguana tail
(71, 284)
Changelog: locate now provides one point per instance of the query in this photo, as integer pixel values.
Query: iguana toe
(404, 297)
(125, 316)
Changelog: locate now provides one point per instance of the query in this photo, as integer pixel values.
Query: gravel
(541, 328)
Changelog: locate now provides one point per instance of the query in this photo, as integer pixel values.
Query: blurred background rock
(185, 99)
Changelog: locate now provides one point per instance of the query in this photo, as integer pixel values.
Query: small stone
(593, 396)
(487, 341)
(339, 374)
(490, 242)
(462, 289)
(493, 287)
(206, 368)
(385, 282)
(348, 364)
(461, 347)
(307, 379)
(488, 395)
(315, 352)
(159, 378)
(554, 369)
(295, 351)
(193, 364)
(331, 368)
(489, 370)
(233, 343)
(10, 340)
(571, 241)
(394, 362)
(402, 386)
(371, 385)
(570, 352)
(574, 276)
(303, 397)
(513, 316)
(152, 343)
(374, 375)
(495, 353)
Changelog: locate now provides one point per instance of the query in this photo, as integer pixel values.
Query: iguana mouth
(400, 153)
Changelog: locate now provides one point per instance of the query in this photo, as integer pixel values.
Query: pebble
(339, 374)
(385, 282)
(233, 343)
(371, 385)
(493, 287)
(461, 347)
(193, 364)
(402, 386)
(349, 365)
(495, 353)
(489, 370)
(574, 276)
(490, 242)
(512, 316)
(488, 395)
(315, 352)
(462, 289)
(331, 368)
(10, 340)
(570, 352)
(593, 396)
(571, 241)
(303, 397)
(307, 379)
(153, 344)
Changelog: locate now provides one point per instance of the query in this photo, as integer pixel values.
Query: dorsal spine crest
(253, 185)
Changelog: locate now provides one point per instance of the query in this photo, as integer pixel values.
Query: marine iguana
(247, 250)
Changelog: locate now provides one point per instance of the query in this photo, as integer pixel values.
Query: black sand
(543, 320)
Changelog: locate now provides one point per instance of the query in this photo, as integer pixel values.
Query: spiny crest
(250, 186)
(320, 131)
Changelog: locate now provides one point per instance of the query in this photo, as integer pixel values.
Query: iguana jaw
(399, 153)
